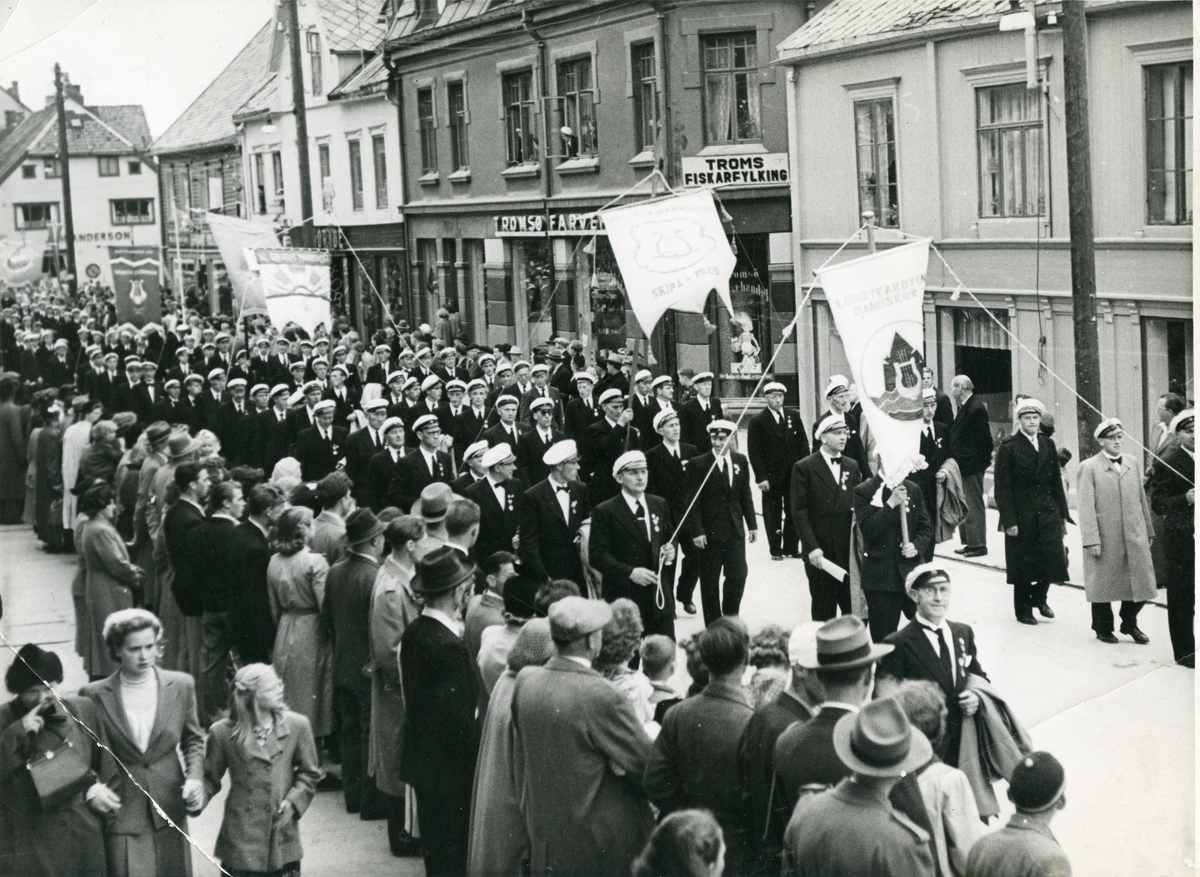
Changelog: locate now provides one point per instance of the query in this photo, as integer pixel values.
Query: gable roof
(208, 122)
(352, 25)
(110, 130)
(847, 24)
(370, 78)
(15, 146)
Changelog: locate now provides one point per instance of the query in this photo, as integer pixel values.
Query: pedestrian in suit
(498, 496)
(441, 729)
(381, 468)
(697, 413)
(581, 412)
(192, 402)
(944, 410)
(668, 463)
(838, 397)
(251, 627)
(322, 448)
(1173, 495)
(171, 407)
(303, 416)
(423, 466)
(776, 441)
(507, 431)
(935, 448)
(273, 432)
(1115, 526)
(629, 543)
(663, 388)
(1033, 513)
(95, 382)
(233, 424)
(607, 439)
(538, 440)
(581, 754)
(1026, 845)
(933, 648)
(147, 394)
(208, 406)
(124, 399)
(721, 520)
(971, 445)
(887, 556)
(343, 397)
(644, 406)
(362, 445)
(539, 375)
(822, 505)
(472, 422)
(450, 412)
(56, 371)
(553, 512)
(183, 365)
(179, 520)
(694, 761)
(472, 469)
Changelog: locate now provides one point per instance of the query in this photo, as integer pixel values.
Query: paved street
(1121, 718)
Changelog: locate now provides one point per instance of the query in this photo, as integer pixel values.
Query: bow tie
(837, 460)
(562, 488)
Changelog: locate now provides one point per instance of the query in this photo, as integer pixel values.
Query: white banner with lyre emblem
(877, 303)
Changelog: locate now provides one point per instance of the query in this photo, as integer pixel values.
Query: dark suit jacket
(721, 508)
(359, 450)
(525, 416)
(345, 404)
(529, 455)
(380, 472)
(98, 386)
(578, 417)
(774, 448)
(300, 420)
(605, 443)
(971, 438)
(251, 627)
(804, 755)
(55, 373)
(236, 444)
(318, 456)
(821, 509)
(497, 526)
(1030, 496)
(945, 410)
(174, 413)
(669, 477)
(1169, 485)
(413, 475)
(643, 419)
(855, 449)
(273, 438)
(213, 574)
(460, 484)
(179, 520)
(915, 658)
(548, 547)
(496, 435)
(441, 731)
(208, 411)
(124, 398)
(694, 421)
(469, 428)
(347, 614)
(882, 565)
(618, 545)
(935, 451)
(143, 407)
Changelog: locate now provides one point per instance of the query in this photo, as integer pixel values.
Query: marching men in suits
(776, 441)
(424, 466)
(498, 496)
(381, 468)
(822, 505)
(553, 513)
(321, 448)
(723, 503)
(540, 439)
(699, 412)
(669, 478)
(607, 439)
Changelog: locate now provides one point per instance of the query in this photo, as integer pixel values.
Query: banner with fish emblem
(672, 253)
(296, 285)
(877, 303)
(135, 273)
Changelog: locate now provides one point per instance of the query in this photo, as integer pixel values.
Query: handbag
(59, 774)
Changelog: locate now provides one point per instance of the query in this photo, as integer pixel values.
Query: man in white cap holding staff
(838, 398)
(1173, 495)
(776, 441)
(322, 448)
(1033, 513)
(720, 520)
(423, 466)
(628, 545)
(553, 513)
(822, 505)
(699, 412)
(498, 496)
(668, 463)
(607, 439)
(381, 468)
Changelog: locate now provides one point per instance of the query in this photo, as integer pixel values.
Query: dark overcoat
(1030, 496)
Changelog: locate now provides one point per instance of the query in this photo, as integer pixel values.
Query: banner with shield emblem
(135, 272)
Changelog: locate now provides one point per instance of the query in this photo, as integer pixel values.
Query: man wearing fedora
(776, 441)
(933, 648)
(553, 512)
(1026, 847)
(441, 727)
(426, 465)
(721, 520)
(498, 496)
(853, 828)
(667, 463)
(581, 754)
(346, 613)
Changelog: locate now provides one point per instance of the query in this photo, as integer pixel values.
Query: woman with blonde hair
(688, 843)
(303, 654)
(271, 757)
(621, 638)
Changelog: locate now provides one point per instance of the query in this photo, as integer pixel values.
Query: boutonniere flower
(654, 519)
(574, 504)
(737, 469)
(962, 654)
(845, 479)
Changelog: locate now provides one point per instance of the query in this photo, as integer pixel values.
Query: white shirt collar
(452, 624)
(584, 661)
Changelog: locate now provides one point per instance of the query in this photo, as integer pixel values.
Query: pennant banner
(21, 261)
(135, 283)
(295, 285)
(876, 302)
(672, 253)
(233, 236)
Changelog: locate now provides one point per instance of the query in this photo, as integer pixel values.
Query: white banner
(877, 303)
(672, 252)
(232, 237)
(296, 285)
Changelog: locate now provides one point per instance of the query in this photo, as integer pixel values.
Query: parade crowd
(454, 571)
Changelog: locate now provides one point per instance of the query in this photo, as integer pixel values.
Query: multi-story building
(521, 120)
(114, 187)
(201, 172)
(923, 116)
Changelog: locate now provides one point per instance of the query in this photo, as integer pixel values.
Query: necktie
(640, 515)
(944, 653)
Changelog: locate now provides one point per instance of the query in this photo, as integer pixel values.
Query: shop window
(1010, 151)
(456, 101)
(732, 113)
(314, 62)
(31, 216)
(982, 352)
(875, 143)
(356, 175)
(379, 162)
(576, 108)
(132, 211)
(109, 165)
(645, 95)
(1169, 144)
(520, 118)
(427, 125)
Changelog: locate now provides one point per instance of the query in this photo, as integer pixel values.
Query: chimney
(15, 92)
(72, 91)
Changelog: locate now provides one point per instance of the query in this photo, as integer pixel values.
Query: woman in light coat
(109, 578)
(271, 758)
(303, 655)
(1115, 526)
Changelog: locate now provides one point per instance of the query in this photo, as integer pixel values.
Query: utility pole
(1079, 199)
(64, 162)
(305, 227)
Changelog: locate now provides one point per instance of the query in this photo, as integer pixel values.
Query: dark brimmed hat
(434, 501)
(362, 526)
(1037, 782)
(441, 570)
(157, 431)
(844, 643)
(879, 741)
(180, 445)
(33, 666)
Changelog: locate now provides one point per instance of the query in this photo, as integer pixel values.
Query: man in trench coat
(1116, 528)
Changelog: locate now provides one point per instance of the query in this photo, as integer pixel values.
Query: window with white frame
(33, 216)
(875, 147)
(732, 113)
(576, 108)
(520, 117)
(356, 175)
(1168, 90)
(314, 61)
(132, 211)
(427, 127)
(456, 106)
(1009, 126)
(109, 165)
(643, 64)
(379, 161)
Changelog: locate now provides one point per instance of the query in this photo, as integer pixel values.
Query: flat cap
(573, 618)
